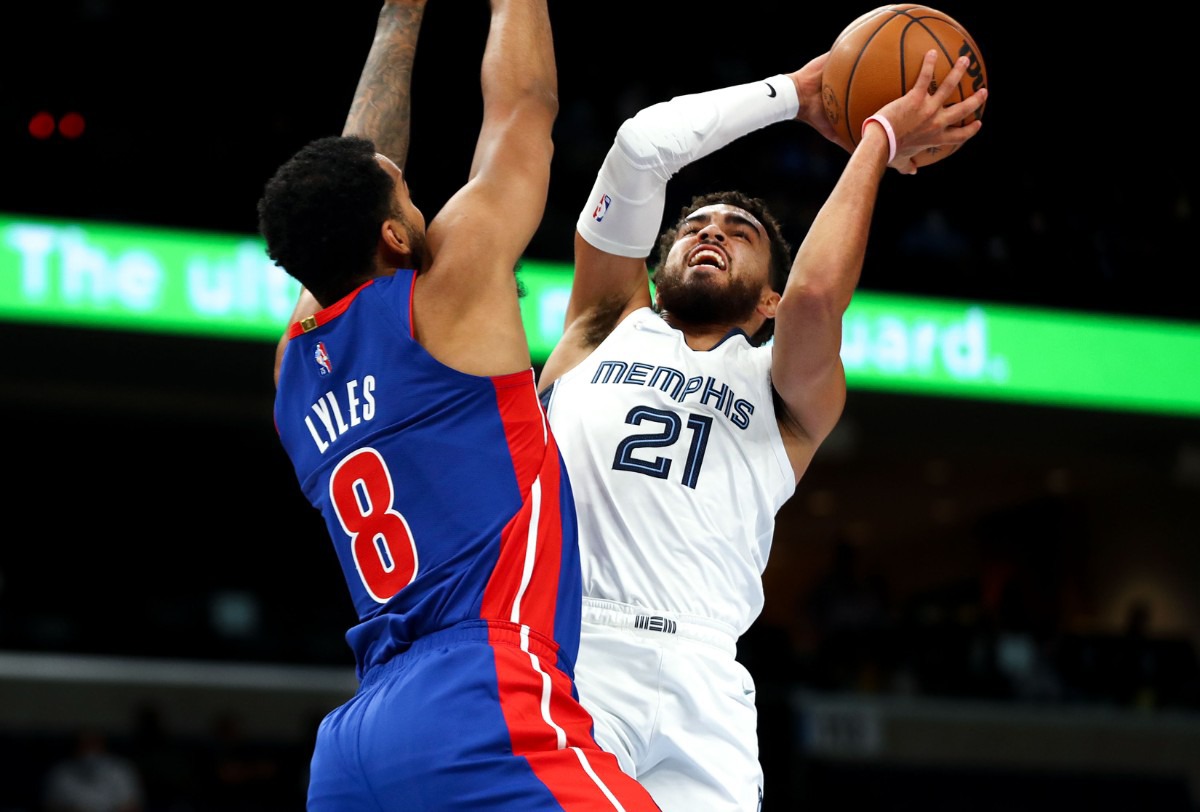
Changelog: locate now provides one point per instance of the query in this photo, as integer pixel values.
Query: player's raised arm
(621, 220)
(481, 233)
(382, 105)
(807, 369)
(510, 170)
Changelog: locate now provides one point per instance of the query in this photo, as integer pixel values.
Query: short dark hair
(321, 212)
(780, 264)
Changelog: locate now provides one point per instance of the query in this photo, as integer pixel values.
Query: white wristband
(625, 209)
(887, 128)
(623, 215)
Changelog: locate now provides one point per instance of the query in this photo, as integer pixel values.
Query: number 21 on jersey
(668, 428)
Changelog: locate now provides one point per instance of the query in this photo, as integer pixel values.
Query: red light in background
(71, 125)
(41, 126)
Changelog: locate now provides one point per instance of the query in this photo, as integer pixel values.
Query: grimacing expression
(717, 269)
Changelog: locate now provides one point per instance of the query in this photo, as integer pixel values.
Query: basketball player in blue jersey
(406, 402)
(685, 430)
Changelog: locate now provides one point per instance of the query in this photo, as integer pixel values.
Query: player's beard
(703, 300)
(419, 248)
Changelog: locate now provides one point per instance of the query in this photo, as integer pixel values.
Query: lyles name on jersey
(336, 413)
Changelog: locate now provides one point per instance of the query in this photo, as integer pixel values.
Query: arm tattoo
(381, 106)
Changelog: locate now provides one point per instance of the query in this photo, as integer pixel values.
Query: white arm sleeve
(623, 215)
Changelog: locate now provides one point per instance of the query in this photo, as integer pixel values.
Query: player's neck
(701, 337)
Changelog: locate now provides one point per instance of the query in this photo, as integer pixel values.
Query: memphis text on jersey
(678, 387)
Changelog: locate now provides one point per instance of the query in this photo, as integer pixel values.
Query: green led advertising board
(137, 278)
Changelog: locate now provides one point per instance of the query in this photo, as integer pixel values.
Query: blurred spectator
(1028, 664)
(93, 779)
(1137, 670)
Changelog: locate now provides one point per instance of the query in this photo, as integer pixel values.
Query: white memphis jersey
(678, 469)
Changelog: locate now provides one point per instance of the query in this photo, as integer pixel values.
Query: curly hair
(321, 211)
(781, 250)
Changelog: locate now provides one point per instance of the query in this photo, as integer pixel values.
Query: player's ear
(394, 238)
(768, 303)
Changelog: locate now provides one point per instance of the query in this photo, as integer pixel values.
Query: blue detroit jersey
(444, 493)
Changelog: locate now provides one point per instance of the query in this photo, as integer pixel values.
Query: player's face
(410, 215)
(403, 199)
(717, 270)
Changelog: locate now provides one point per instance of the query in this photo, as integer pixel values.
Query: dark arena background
(974, 602)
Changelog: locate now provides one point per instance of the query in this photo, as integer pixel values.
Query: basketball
(877, 58)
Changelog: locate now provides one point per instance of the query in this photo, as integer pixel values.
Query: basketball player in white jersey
(684, 430)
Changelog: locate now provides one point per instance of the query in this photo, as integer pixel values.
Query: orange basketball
(877, 58)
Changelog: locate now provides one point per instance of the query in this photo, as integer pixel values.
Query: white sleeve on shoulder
(623, 215)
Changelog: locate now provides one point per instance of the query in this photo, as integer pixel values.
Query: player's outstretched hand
(921, 120)
(812, 110)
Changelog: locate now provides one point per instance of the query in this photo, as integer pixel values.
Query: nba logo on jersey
(601, 208)
(322, 359)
